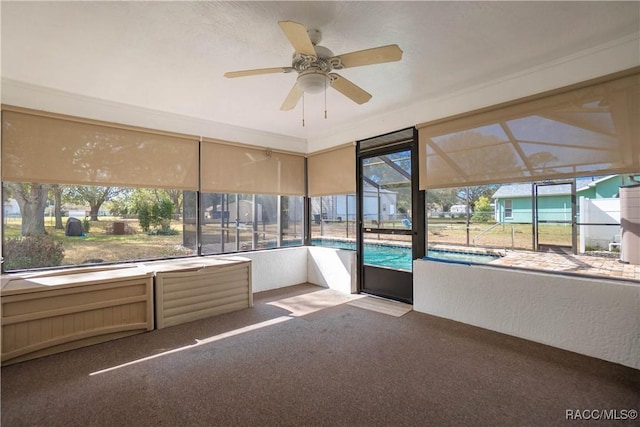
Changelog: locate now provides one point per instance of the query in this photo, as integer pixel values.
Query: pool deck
(607, 264)
(578, 264)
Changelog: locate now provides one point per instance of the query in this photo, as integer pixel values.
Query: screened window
(333, 220)
(534, 152)
(233, 168)
(529, 224)
(332, 186)
(243, 222)
(54, 149)
(87, 225)
(78, 191)
(581, 132)
(332, 172)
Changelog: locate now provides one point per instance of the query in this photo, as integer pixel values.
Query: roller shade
(47, 148)
(593, 130)
(233, 168)
(332, 172)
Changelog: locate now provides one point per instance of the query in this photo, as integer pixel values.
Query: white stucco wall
(326, 267)
(598, 318)
(332, 268)
(277, 268)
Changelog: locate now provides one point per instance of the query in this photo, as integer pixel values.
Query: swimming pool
(399, 257)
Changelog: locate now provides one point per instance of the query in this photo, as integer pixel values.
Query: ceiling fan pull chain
(325, 99)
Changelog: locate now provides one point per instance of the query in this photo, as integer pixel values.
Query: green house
(513, 202)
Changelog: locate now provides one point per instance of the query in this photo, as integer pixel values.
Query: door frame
(378, 275)
(535, 217)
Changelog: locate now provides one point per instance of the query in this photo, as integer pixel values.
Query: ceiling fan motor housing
(323, 61)
(314, 71)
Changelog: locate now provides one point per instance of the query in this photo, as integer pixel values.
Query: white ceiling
(136, 58)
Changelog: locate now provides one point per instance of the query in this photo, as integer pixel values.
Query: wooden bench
(56, 311)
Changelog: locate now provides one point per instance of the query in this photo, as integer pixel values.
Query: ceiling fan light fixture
(313, 81)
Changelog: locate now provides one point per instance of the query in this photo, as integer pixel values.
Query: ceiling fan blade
(348, 89)
(376, 55)
(292, 99)
(257, 71)
(298, 37)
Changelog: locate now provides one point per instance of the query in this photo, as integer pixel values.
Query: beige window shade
(51, 149)
(332, 172)
(593, 130)
(231, 168)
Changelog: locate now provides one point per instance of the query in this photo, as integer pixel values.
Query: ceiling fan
(314, 65)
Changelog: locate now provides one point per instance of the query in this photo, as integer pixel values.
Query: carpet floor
(303, 356)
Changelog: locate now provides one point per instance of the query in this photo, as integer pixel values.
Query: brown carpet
(332, 365)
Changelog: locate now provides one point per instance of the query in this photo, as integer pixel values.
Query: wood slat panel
(197, 315)
(206, 278)
(202, 284)
(115, 304)
(64, 343)
(206, 305)
(213, 287)
(49, 300)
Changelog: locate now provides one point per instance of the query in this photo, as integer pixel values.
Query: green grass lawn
(98, 244)
(447, 231)
(516, 236)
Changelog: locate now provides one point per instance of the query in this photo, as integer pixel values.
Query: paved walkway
(580, 264)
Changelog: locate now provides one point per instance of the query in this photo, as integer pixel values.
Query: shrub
(168, 231)
(482, 216)
(483, 210)
(32, 252)
(157, 214)
(144, 216)
(86, 224)
(161, 214)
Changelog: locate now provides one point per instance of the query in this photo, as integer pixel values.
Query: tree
(32, 199)
(474, 193)
(140, 196)
(442, 199)
(118, 207)
(176, 198)
(122, 203)
(93, 195)
(482, 209)
(57, 191)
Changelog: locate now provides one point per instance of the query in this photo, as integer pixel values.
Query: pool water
(461, 256)
(399, 257)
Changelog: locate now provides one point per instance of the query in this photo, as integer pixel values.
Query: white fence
(599, 211)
